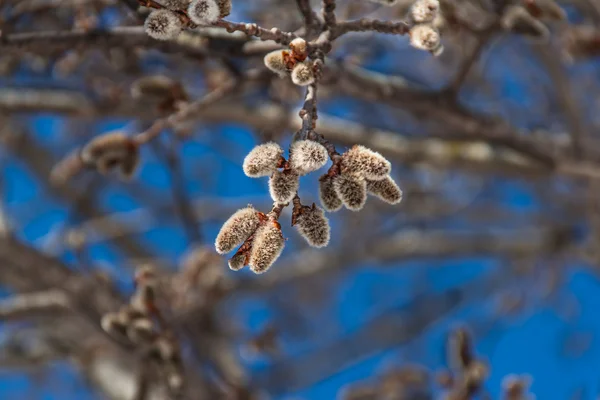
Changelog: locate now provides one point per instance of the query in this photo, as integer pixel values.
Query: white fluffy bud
(361, 162)
(425, 37)
(385, 189)
(329, 198)
(307, 156)
(352, 192)
(303, 74)
(283, 186)
(266, 247)
(236, 229)
(313, 225)
(163, 25)
(262, 160)
(275, 61)
(424, 10)
(298, 46)
(204, 12)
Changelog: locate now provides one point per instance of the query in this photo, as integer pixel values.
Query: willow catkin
(175, 5)
(112, 150)
(204, 12)
(424, 11)
(327, 194)
(275, 61)
(236, 229)
(283, 186)
(361, 162)
(224, 8)
(352, 192)
(307, 156)
(385, 189)
(303, 74)
(163, 25)
(266, 247)
(313, 226)
(262, 160)
(425, 37)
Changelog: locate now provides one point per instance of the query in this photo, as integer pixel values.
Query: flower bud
(307, 156)
(299, 48)
(424, 11)
(262, 160)
(385, 189)
(313, 225)
(110, 150)
(275, 61)
(329, 198)
(266, 247)
(352, 192)
(237, 262)
(236, 229)
(303, 74)
(204, 12)
(224, 8)
(361, 162)
(283, 186)
(163, 25)
(425, 37)
(517, 20)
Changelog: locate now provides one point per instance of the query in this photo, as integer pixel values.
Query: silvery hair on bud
(303, 74)
(236, 229)
(424, 11)
(313, 225)
(361, 162)
(266, 247)
(203, 12)
(163, 25)
(385, 189)
(283, 186)
(298, 46)
(327, 194)
(262, 160)
(352, 192)
(275, 61)
(307, 156)
(426, 37)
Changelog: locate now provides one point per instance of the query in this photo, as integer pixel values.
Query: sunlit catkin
(283, 186)
(203, 12)
(275, 61)
(303, 74)
(313, 225)
(426, 37)
(262, 160)
(385, 189)
(424, 11)
(224, 8)
(266, 247)
(236, 229)
(307, 156)
(361, 162)
(327, 194)
(352, 192)
(163, 25)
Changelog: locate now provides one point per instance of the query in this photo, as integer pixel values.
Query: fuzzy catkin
(266, 247)
(236, 229)
(424, 11)
(313, 226)
(163, 25)
(237, 262)
(327, 194)
(385, 189)
(275, 61)
(262, 160)
(175, 4)
(224, 8)
(425, 37)
(307, 156)
(203, 12)
(352, 192)
(283, 186)
(112, 150)
(361, 162)
(303, 74)
(298, 46)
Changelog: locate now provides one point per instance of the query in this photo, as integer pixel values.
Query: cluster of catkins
(354, 174)
(292, 63)
(168, 22)
(424, 16)
(135, 324)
